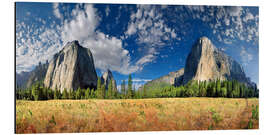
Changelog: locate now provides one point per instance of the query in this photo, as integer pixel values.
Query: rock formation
(21, 79)
(27, 79)
(71, 68)
(106, 78)
(206, 62)
(173, 78)
(38, 74)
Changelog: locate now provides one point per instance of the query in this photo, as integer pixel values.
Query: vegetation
(229, 89)
(159, 114)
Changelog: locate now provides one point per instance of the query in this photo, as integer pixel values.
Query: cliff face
(71, 68)
(206, 62)
(106, 78)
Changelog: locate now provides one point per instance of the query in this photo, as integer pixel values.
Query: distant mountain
(21, 79)
(38, 74)
(204, 63)
(71, 68)
(106, 78)
(173, 78)
(27, 79)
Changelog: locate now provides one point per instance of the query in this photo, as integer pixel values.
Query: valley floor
(158, 114)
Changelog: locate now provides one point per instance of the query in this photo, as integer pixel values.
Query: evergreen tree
(36, 91)
(129, 94)
(71, 94)
(110, 90)
(78, 93)
(123, 89)
(218, 88)
(65, 94)
(103, 91)
(92, 95)
(87, 93)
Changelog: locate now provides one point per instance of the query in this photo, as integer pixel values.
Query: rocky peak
(71, 68)
(106, 78)
(206, 62)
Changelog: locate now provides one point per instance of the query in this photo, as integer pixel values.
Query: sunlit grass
(157, 114)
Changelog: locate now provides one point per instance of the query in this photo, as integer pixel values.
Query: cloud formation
(107, 50)
(150, 30)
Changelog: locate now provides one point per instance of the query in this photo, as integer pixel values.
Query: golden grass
(159, 114)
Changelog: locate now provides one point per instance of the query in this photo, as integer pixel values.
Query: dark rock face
(106, 78)
(71, 68)
(206, 62)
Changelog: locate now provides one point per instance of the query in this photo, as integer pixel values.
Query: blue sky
(147, 41)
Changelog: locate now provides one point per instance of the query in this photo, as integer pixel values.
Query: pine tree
(87, 93)
(65, 94)
(92, 95)
(129, 94)
(36, 92)
(123, 89)
(71, 94)
(99, 91)
(110, 90)
(103, 91)
(78, 93)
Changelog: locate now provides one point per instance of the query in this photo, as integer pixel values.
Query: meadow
(156, 114)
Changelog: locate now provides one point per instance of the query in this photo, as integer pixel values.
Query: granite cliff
(71, 68)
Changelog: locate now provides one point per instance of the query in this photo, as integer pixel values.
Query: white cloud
(107, 50)
(56, 11)
(234, 10)
(245, 56)
(145, 59)
(107, 10)
(249, 16)
(150, 30)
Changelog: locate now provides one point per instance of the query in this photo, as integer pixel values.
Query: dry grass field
(160, 114)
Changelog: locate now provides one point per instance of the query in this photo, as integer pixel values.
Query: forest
(217, 88)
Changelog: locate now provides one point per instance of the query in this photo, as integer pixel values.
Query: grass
(160, 114)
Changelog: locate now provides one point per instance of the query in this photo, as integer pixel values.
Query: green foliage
(36, 91)
(78, 93)
(87, 94)
(123, 89)
(110, 91)
(229, 89)
(65, 94)
(129, 92)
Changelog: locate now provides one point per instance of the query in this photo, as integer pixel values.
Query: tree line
(228, 89)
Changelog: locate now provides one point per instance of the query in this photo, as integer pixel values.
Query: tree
(123, 89)
(87, 93)
(65, 94)
(129, 94)
(218, 88)
(36, 92)
(144, 92)
(71, 94)
(99, 90)
(78, 93)
(92, 95)
(223, 92)
(103, 90)
(110, 92)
